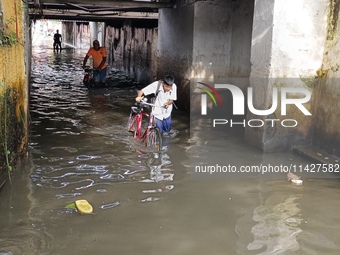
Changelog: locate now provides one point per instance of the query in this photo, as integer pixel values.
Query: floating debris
(83, 207)
(294, 178)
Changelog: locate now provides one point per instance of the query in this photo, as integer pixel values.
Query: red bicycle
(88, 77)
(144, 129)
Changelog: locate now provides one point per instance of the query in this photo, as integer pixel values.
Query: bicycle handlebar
(153, 105)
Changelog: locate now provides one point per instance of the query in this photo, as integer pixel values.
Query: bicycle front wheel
(154, 139)
(129, 123)
(132, 125)
(87, 80)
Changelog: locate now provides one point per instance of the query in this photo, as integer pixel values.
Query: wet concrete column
(97, 32)
(202, 48)
(287, 49)
(68, 34)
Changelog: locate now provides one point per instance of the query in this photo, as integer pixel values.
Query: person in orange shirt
(98, 55)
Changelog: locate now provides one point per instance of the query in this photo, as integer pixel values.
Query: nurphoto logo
(238, 100)
(204, 97)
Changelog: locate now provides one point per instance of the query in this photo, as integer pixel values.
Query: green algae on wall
(13, 119)
(11, 130)
(13, 89)
(333, 18)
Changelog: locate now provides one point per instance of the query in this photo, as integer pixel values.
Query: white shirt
(162, 97)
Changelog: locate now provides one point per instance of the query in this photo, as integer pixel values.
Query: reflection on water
(278, 222)
(146, 203)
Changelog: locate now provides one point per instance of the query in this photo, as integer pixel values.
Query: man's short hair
(168, 80)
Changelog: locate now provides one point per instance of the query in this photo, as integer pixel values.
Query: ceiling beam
(112, 3)
(94, 9)
(78, 7)
(94, 17)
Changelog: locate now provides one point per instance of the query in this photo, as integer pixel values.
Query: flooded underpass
(145, 203)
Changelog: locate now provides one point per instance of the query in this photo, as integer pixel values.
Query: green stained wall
(13, 86)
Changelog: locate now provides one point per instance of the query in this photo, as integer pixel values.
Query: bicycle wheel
(132, 124)
(86, 80)
(154, 139)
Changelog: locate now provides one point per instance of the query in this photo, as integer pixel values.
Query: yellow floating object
(83, 206)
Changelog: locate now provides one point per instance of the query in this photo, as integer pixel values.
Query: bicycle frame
(151, 135)
(139, 118)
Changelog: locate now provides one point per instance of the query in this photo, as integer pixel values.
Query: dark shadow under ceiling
(96, 10)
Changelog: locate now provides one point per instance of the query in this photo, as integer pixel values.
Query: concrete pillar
(68, 34)
(326, 113)
(175, 47)
(287, 49)
(97, 32)
(212, 42)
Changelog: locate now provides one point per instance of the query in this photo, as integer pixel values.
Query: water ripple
(68, 195)
(109, 206)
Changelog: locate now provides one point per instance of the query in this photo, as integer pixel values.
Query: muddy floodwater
(146, 203)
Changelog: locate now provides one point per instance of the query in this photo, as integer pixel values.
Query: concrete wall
(287, 48)
(241, 38)
(176, 48)
(97, 32)
(326, 106)
(76, 35)
(82, 32)
(264, 45)
(210, 42)
(132, 49)
(222, 45)
(203, 40)
(13, 86)
(68, 34)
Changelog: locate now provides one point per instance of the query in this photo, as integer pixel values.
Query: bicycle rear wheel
(154, 139)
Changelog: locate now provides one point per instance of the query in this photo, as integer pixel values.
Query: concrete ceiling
(97, 10)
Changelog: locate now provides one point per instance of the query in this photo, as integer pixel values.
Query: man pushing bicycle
(166, 93)
(98, 55)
